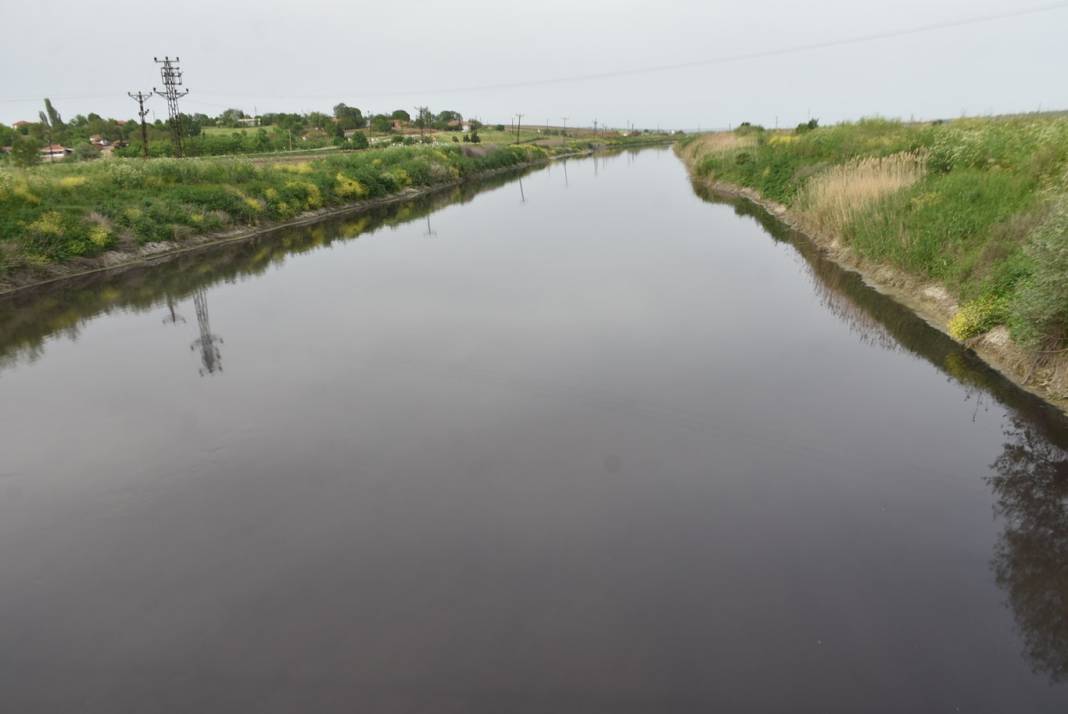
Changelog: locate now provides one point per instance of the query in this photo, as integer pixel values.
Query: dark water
(584, 443)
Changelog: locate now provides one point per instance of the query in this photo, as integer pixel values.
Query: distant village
(86, 137)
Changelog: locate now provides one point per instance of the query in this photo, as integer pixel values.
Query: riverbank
(67, 220)
(964, 223)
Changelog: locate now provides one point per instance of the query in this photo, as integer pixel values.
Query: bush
(24, 152)
(359, 140)
(1040, 307)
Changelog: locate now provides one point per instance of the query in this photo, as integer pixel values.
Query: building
(54, 151)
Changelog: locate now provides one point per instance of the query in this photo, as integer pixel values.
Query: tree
(85, 152)
(441, 121)
(320, 120)
(381, 123)
(261, 141)
(54, 120)
(349, 117)
(24, 152)
(231, 117)
(423, 118)
(359, 140)
(51, 122)
(400, 115)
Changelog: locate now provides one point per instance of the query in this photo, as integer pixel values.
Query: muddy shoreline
(1044, 376)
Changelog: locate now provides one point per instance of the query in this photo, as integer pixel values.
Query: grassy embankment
(52, 214)
(977, 206)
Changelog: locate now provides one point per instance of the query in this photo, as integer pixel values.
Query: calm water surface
(578, 441)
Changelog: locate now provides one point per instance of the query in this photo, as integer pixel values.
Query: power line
(793, 49)
(858, 39)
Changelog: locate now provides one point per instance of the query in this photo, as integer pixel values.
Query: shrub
(978, 316)
(1040, 306)
(359, 140)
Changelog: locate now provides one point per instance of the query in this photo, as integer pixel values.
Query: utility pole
(172, 79)
(141, 112)
(595, 127)
(424, 116)
(518, 124)
(564, 130)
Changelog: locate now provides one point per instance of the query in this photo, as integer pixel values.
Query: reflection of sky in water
(588, 443)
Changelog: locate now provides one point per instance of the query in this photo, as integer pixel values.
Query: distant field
(226, 130)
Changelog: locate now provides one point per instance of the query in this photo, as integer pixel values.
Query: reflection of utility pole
(210, 356)
(567, 184)
(430, 232)
(174, 318)
(522, 195)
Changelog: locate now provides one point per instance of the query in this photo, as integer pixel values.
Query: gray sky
(300, 56)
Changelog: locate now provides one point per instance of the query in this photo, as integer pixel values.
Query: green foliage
(349, 117)
(975, 223)
(381, 123)
(58, 212)
(978, 316)
(1039, 310)
(359, 140)
(24, 152)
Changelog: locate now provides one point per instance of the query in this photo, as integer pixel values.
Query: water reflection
(208, 342)
(1031, 557)
(881, 322)
(29, 318)
(1030, 480)
(172, 317)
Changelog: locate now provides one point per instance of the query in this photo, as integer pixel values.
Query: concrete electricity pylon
(172, 80)
(140, 97)
(210, 356)
(518, 124)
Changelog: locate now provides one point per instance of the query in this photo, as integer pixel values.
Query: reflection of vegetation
(1031, 475)
(881, 321)
(1031, 559)
(29, 318)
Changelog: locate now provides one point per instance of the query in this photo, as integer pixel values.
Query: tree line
(345, 126)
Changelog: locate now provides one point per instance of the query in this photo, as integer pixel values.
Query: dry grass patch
(832, 199)
(719, 143)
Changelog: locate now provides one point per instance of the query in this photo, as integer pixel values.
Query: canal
(574, 440)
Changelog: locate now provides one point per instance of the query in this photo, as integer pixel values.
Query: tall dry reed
(832, 199)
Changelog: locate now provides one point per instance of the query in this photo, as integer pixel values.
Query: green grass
(57, 213)
(977, 222)
(227, 131)
(66, 211)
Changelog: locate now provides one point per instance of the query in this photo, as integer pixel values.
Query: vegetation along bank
(964, 221)
(71, 217)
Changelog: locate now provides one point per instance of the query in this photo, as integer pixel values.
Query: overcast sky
(300, 56)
